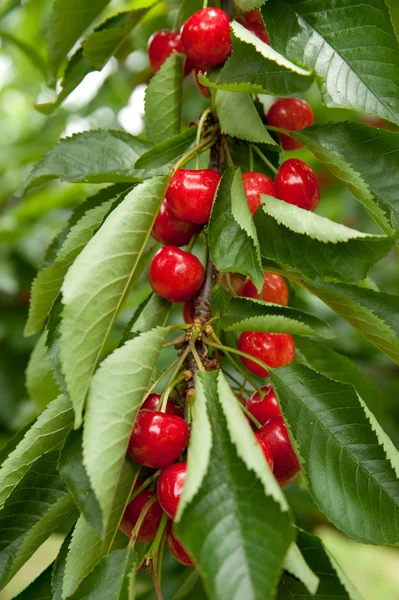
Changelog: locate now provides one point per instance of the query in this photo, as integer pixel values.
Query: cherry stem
(249, 415)
(196, 355)
(201, 123)
(145, 485)
(227, 150)
(232, 290)
(279, 130)
(178, 340)
(205, 4)
(157, 381)
(174, 379)
(140, 520)
(192, 242)
(265, 160)
(206, 143)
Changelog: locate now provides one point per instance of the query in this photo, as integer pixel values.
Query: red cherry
(205, 91)
(189, 312)
(286, 465)
(292, 114)
(157, 439)
(296, 183)
(170, 487)
(274, 289)
(161, 45)
(236, 282)
(267, 452)
(264, 408)
(253, 22)
(177, 549)
(275, 349)
(176, 275)
(205, 38)
(152, 402)
(133, 511)
(191, 193)
(256, 184)
(168, 229)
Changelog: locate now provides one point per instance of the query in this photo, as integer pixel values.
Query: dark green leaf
(353, 50)
(350, 465)
(39, 589)
(59, 568)
(166, 152)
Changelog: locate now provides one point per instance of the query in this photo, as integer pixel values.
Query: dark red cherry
(253, 22)
(191, 193)
(133, 511)
(274, 349)
(286, 465)
(205, 91)
(176, 548)
(296, 183)
(161, 45)
(267, 453)
(264, 408)
(205, 38)
(256, 184)
(170, 487)
(189, 312)
(176, 275)
(291, 114)
(152, 403)
(168, 229)
(274, 289)
(157, 439)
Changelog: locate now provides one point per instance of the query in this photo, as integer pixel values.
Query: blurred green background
(113, 98)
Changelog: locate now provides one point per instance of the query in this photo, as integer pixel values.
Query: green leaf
(38, 505)
(86, 548)
(373, 314)
(233, 243)
(163, 100)
(364, 158)
(246, 314)
(116, 394)
(73, 472)
(333, 585)
(228, 491)
(153, 312)
(47, 285)
(65, 25)
(98, 281)
(255, 67)
(59, 568)
(166, 152)
(316, 246)
(297, 566)
(350, 474)
(247, 5)
(40, 382)
(110, 579)
(239, 118)
(355, 53)
(28, 51)
(90, 157)
(46, 434)
(39, 589)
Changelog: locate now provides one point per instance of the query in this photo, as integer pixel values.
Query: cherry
(157, 439)
(177, 549)
(170, 487)
(274, 289)
(168, 229)
(176, 275)
(253, 22)
(267, 451)
(286, 465)
(189, 312)
(205, 91)
(266, 407)
(191, 193)
(205, 38)
(275, 349)
(292, 114)
(296, 183)
(133, 511)
(152, 402)
(241, 399)
(236, 282)
(256, 184)
(161, 45)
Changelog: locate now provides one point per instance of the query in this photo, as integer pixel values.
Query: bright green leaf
(166, 152)
(247, 5)
(40, 382)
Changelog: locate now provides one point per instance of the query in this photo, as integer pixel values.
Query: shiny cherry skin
(189, 312)
(292, 114)
(205, 38)
(133, 511)
(191, 193)
(152, 402)
(274, 349)
(253, 22)
(267, 451)
(177, 548)
(264, 408)
(296, 183)
(205, 91)
(170, 487)
(286, 465)
(176, 275)
(157, 439)
(274, 289)
(161, 45)
(168, 229)
(256, 184)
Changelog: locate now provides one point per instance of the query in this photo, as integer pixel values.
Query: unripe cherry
(132, 514)
(170, 487)
(205, 38)
(168, 229)
(161, 45)
(256, 184)
(274, 289)
(267, 452)
(274, 349)
(191, 193)
(297, 183)
(292, 114)
(177, 549)
(152, 403)
(286, 465)
(176, 275)
(266, 407)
